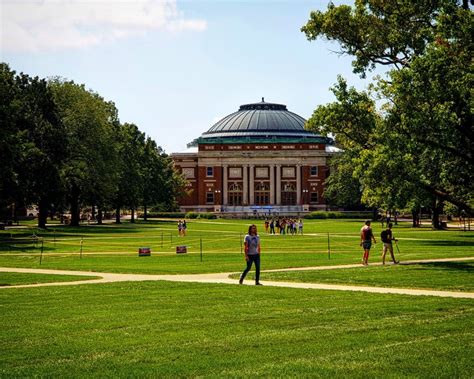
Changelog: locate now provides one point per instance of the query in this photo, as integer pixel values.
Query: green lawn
(16, 278)
(166, 329)
(449, 276)
(114, 247)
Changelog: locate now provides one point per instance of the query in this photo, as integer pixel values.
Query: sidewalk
(223, 278)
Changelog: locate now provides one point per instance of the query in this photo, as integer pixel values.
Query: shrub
(165, 215)
(334, 215)
(206, 215)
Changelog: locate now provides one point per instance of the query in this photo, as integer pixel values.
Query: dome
(260, 122)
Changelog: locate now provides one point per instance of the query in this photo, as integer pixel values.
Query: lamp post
(305, 196)
(217, 192)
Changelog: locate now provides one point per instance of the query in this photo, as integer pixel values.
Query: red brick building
(259, 159)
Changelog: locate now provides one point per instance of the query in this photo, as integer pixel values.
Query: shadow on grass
(451, 266)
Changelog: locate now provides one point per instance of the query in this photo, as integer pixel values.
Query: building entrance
(288, 194)
(235, 194)
(262, 194)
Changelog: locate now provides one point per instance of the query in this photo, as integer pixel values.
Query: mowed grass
(113, 248)
(448, 276)
(162, 329)
(16, 278)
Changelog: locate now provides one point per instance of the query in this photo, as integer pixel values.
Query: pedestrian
(267, 224)
(252, 254)
(387, 237)
(278, 226)
(300, 227)
(272, 227)
(366, 237)
(184, 227)
(180, 228)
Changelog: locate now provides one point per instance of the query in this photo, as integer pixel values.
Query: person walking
(252, 254)
(366, 237)
(180, 228)
(300, 227)
(184, 228)
(267, 224)
(387, 237)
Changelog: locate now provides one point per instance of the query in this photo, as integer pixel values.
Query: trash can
(144, 251)
(181, 249)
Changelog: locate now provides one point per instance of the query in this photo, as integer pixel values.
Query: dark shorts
(367, 245)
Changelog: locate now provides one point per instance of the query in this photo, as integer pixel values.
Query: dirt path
(224, 279)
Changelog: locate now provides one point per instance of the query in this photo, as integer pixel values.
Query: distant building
(259, 159)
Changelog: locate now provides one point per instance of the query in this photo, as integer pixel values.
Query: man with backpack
(387, 238)
(366, 237)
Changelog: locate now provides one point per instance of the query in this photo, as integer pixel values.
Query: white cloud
(29, 25)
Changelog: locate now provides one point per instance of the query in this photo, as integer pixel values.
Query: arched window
(235, 194)
(288, 193)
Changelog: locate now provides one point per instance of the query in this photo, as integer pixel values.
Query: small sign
(144, 251)
(181, 249)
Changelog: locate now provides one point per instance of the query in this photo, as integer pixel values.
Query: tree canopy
(62, 146)
(411, 143)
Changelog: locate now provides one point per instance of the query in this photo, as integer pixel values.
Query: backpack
(384, 236)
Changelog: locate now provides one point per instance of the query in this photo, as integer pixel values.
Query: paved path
(106, 277)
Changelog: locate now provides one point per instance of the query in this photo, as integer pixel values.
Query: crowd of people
(282, 225)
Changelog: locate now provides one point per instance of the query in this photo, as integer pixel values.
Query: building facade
(259, 159)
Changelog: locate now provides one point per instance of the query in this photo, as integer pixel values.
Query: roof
(261, 121)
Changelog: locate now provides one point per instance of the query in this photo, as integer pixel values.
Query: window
(210, 197)
(314, 197)
(235, 194)
(210, 171)
(314, 171)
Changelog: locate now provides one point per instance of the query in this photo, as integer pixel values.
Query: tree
(33, 143)
(131, 174)
(89, 172)
(423, 131)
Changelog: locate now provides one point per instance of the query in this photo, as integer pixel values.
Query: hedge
(335, 214)
(208, 215)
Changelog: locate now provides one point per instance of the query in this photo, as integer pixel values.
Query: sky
(174, 68)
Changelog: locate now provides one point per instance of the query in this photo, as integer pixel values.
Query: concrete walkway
(223, 278)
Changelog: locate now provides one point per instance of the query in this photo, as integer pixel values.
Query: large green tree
(32, 143)
(89, 172)
(422, 141)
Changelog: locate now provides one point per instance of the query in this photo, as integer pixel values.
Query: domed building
(258, 160)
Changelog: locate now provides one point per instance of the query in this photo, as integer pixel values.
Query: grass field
(114, 247)
(15, 278)
(448, 276)
(188, 330)
(165, 329)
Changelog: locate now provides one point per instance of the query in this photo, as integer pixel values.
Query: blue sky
(175, 68)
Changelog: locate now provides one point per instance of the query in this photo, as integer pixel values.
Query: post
(200, 246)
(240, 243)
(329, 248)
(81, 247)
(41, 253)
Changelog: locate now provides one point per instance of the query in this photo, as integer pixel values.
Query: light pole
(217, 192)
(305, 196)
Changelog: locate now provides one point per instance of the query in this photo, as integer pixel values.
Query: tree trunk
(93, 213)
(145, 216)
(42, 214)
(414, 215)
(132, 219)
(117, 216)
(437, 208)
(99, 215)
(74, 206)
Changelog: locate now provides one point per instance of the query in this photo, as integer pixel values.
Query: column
(246, 185)
(278, 184)
(224, 185)
(298, 184)
(272, 184)
(252, 185)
